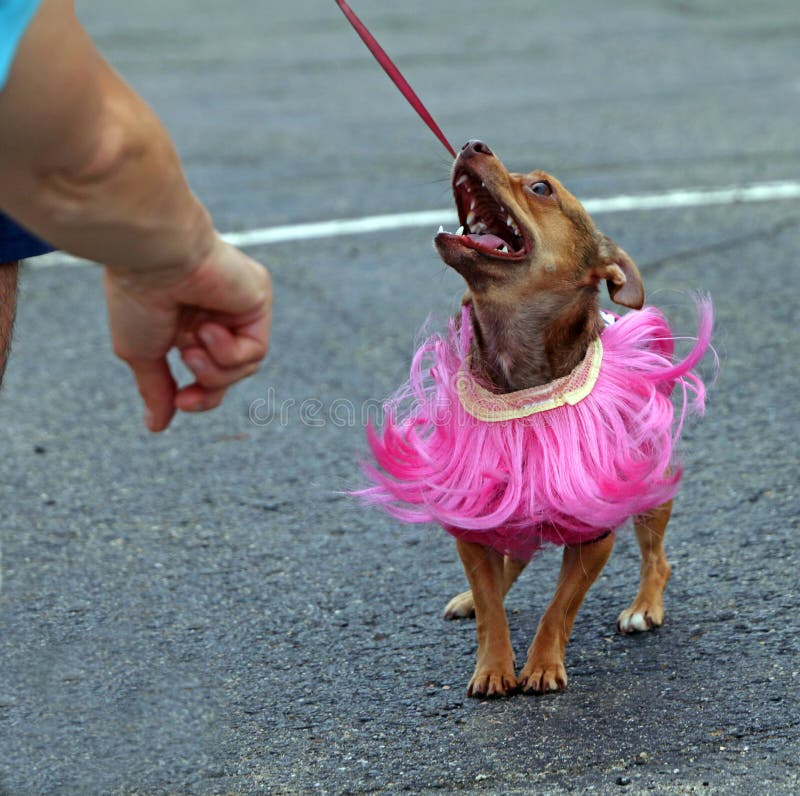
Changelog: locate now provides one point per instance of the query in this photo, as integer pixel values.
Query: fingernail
(206, 336)
(197, 364)
(148, 419)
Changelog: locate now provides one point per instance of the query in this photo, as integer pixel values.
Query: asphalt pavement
(204, 612)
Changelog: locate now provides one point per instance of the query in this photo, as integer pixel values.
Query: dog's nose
(474, 147)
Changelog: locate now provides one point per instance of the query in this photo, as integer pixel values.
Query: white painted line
(760, 192)
(338, 227)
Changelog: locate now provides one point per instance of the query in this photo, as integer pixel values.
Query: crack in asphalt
(720, 246)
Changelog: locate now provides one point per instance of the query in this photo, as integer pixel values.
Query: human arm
(87, 165)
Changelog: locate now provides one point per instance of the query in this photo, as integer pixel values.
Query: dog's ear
(622, 276)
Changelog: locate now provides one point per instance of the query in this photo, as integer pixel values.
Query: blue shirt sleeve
(15, 16)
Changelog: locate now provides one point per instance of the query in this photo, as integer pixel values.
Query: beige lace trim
(570, 389)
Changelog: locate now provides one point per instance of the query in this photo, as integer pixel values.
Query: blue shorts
(17, 244)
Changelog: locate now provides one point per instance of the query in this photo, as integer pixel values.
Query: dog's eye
(540, 188)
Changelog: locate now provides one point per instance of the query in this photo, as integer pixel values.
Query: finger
(157, 388)
(196, 398)
(191, 320)
(240, 345)
(209, 375)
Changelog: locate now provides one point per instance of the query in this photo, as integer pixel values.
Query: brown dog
(533, 259)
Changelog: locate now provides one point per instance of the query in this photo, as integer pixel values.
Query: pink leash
(394, 73)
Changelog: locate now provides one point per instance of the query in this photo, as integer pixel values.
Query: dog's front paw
(539, 678)
(640, 616)
(496, 681)
(460, 607)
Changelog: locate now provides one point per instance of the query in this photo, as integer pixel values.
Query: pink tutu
(563, 463)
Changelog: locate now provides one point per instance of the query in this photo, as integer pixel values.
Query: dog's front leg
(494, 671)
(580, 566)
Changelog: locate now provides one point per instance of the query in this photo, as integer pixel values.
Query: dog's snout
(475, 147)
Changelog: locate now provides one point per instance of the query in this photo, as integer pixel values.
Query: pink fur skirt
(563, 464)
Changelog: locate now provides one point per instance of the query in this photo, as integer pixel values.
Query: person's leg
(8, 304)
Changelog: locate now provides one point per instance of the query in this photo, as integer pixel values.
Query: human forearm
(86, 164)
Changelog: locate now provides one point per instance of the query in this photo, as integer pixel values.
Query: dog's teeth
(461, 180)
(441, 228)
(460, 231)
(470, 218)
(503, 249)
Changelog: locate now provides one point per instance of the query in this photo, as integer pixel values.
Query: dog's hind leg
(580, 566)
(647, 610)
(462, 605)
(494, 671)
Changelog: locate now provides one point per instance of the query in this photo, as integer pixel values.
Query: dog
(537, 418)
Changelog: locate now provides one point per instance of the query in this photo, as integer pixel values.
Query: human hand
(217, 314)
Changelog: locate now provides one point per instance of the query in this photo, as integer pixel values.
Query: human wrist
(173, 254)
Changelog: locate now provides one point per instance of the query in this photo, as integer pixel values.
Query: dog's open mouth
(486, 224)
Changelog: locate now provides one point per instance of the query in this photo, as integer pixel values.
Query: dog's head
(523, 234)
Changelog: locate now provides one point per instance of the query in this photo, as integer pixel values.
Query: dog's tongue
(487, 241)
